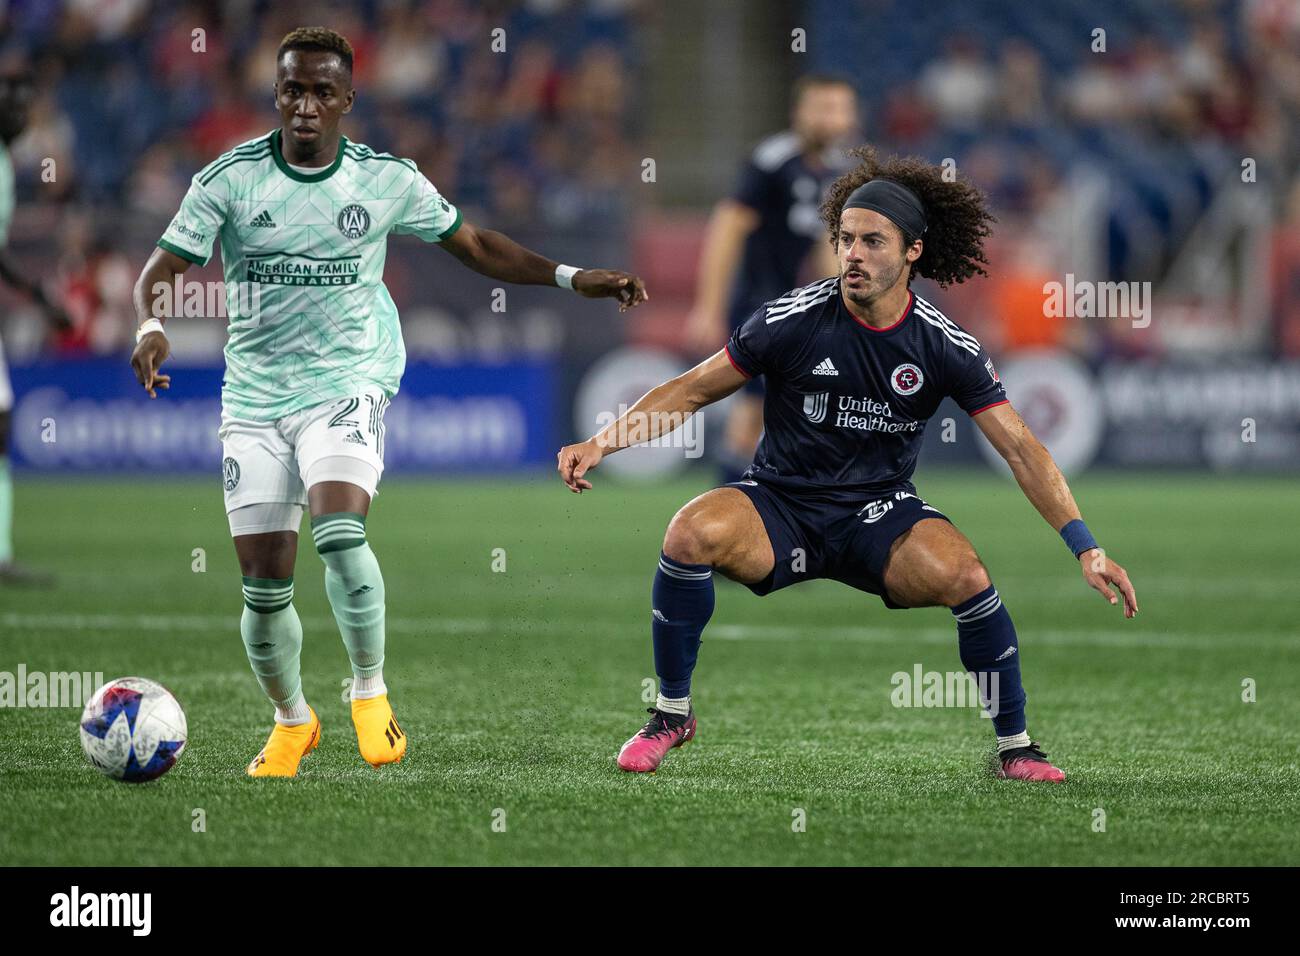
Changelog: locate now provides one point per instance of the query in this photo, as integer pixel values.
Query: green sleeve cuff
(184, 253)
(450, 230)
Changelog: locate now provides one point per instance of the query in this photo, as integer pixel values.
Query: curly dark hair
(953, 246)
(321, 39)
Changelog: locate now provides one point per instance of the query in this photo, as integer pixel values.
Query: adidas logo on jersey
(263, 219)
(825, 367)
(355, 437)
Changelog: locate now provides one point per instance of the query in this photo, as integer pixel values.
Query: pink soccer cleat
(1029, 763)
(649, 745)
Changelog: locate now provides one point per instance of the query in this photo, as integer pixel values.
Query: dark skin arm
(483, 250)
(152, 350)
(12, 277)
(497, 256)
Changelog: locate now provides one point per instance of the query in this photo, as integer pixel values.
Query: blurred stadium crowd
(1100, 164)
(536, 135)
(539, 131)
(1165, 101)
(1100, 151)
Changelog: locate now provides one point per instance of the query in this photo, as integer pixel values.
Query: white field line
(1015, 588)
(1127, 634)
(1123, 634)
(216, 623)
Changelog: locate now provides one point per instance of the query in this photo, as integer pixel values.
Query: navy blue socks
(986, 639)
(682, 605)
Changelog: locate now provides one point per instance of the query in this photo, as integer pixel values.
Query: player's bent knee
(695, 537)
(970, 579)
(266, 554)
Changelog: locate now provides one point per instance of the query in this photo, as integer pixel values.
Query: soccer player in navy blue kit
(761, 237)
(854, 365)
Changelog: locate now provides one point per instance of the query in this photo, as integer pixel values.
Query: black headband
(892, 200)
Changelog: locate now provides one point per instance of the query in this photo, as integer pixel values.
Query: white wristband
(150, 325)
(564, 276)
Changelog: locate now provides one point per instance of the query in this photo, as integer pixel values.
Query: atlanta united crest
(906, 379)
(354, 221)
(230, 474)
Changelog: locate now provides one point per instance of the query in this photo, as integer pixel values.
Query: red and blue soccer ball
(133, 730)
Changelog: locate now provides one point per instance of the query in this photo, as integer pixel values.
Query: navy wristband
(1077, 537)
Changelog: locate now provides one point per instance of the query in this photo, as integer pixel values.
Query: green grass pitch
(517, 688)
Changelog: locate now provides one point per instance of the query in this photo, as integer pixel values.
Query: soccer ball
(133, 729)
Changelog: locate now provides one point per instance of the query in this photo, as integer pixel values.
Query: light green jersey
(303, 255)
(7, 198)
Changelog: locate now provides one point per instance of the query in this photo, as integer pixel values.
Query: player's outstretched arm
(498, 256)
(151, 347)
(659, 411)
(1043, 484)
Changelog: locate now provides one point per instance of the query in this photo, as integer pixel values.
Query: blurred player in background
(765, 236)
(314, 356)
(16, 92)
(855, 367)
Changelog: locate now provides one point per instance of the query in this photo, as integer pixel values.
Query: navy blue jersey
(785, 189)
(846, 405)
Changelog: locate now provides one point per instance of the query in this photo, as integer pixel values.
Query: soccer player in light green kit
(314, 356)
(16, 89)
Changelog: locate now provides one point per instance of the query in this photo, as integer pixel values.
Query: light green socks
(6, 511)
(355, 589)
(273, 638)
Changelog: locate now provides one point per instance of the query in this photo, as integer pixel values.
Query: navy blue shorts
(838, 536)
